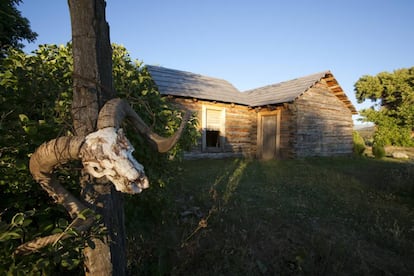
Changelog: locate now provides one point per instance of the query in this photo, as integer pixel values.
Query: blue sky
(251, 43)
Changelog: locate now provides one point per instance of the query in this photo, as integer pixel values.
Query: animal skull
(107, 152)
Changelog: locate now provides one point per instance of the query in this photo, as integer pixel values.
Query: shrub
(378, 150)
(35, 104)
(359, 143)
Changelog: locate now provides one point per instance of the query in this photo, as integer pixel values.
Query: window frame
(222, 128)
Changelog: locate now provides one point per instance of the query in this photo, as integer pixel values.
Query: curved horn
(46, 158)
(116, 110)
(42, 162)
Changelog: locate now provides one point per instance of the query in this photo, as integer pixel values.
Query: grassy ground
(322, 216)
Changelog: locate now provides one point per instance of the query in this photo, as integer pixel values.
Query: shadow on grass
(319, 216)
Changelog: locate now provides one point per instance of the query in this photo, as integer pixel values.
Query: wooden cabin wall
(287, 131)
(323, 124)
(240, 129)
(316, 124)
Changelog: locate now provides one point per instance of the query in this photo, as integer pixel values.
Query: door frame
(260, 132)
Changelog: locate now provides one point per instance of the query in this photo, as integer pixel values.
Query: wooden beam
(327, 79)
(336, 86)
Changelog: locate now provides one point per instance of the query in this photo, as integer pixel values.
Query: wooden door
(268, 135)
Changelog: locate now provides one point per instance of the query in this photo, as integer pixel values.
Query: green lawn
(321, 216)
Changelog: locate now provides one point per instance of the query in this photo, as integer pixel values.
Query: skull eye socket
(97, 169)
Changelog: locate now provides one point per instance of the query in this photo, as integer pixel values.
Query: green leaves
(17, 220)
(394, 114)
(14, 231)
(359, 143)
(14, 27)
(9, 236)
(368, 87)
(50, 260)
(35, 93)
(35, 104)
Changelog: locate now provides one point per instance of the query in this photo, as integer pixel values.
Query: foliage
(35, 101)
(394, 111)
(13, 27)
(134, 83)
(34, 104)
(388, 131)
(378, 150)
(317, 216)
(359, 143)
(62, 258)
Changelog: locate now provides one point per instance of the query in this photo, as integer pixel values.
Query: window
(212, 138)
(213, 128)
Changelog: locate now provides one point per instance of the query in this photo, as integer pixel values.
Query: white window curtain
(213, 118)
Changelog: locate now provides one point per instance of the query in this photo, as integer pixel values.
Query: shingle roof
(283, 92)
(185, 84)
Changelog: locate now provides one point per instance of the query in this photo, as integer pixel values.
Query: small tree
(394, 112)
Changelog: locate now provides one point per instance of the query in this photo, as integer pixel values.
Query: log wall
(240, 129)
(287, 128)
(322, 124)
(315, 124)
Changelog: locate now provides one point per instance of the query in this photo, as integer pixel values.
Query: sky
(251, 43)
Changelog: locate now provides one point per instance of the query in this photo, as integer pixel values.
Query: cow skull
(104, 153)
(108, 153)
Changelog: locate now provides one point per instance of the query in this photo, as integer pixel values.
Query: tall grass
(320, 216)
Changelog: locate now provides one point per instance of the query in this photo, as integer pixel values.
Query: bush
(378, 150)
(35, 104)
(359, 143)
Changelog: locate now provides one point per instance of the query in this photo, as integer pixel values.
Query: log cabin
(303, 117)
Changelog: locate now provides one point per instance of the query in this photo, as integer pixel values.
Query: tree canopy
(13, 26)
(392, 112)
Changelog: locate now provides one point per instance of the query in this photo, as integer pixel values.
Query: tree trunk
(92, 80)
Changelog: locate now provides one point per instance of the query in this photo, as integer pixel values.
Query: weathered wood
(240, 125)
(92, 87)
(323, 124)
(317, 119)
